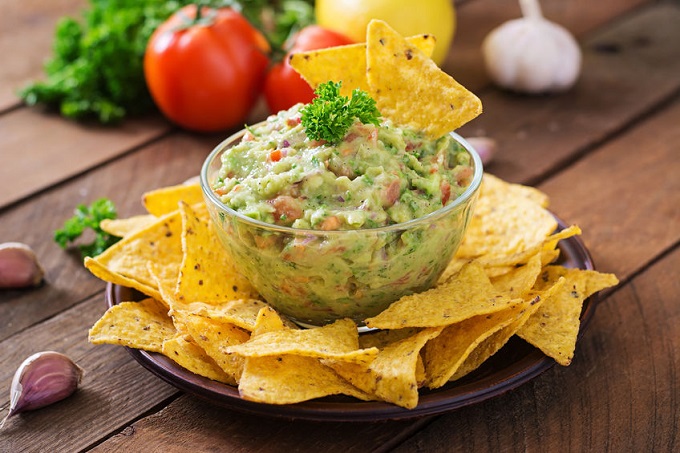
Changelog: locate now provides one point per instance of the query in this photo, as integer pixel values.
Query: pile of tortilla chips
(201, 313)
(204, 315)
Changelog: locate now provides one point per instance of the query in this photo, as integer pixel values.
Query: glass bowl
(315, 277)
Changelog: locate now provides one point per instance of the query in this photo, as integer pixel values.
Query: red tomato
(206, 77)
(284, 87)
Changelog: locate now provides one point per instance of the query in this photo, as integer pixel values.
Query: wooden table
(607, 152)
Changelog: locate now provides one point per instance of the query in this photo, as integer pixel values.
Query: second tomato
(283, 86)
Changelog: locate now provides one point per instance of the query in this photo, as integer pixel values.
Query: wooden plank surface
(93, 411)
(26, 36)
(617, 88)
(626, 196)
(477, 18)
(41, 150)
(167, 162)
(190, 423)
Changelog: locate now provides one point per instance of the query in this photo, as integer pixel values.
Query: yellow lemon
(408, 17)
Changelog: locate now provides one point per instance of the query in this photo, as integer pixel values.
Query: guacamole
(377, 176)
(335, 233)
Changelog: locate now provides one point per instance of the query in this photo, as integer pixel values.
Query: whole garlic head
(532, 54)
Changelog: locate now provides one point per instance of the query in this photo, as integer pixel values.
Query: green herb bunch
(330, 115)
(97, 64)
(88, 217)
(96, 70)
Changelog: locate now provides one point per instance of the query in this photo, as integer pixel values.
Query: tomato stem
(199, 19)
(199, 7)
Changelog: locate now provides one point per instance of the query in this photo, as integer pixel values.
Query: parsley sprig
(330, 115)
(88, 217)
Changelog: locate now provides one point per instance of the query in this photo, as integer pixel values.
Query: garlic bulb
(532, 54)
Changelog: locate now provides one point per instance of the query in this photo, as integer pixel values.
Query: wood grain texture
(41, 150)
(544, 133)
(477, 18)
(168, 162)
(94, 411)
(626, 196)
(189, 423)
(27, 31)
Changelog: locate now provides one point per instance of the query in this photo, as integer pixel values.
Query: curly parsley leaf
(330, 115)
(88, 217)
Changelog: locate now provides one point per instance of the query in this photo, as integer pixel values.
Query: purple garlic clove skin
(42, 379)
(485, 147)
(19, 267)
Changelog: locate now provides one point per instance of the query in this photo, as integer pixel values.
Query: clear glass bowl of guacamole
(328, 232)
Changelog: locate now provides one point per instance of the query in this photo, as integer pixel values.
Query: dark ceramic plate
(515, 364)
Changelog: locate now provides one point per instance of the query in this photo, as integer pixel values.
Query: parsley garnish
(329, 116)
(88, 217)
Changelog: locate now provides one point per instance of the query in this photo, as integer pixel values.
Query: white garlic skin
(532, 55)
(42, 379)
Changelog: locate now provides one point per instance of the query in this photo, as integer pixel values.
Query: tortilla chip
(445, 354)
(502, 226)
(125, 227)
(519, 280)
(268, 320)
(141, 325)
(163, 201)
(547, 249)
(382, 338)
(395, 369)
(555, 325)
(207, 273)
(454, 266)
(403, 81)
(190, 356)
(289, 379)
(469, 293)
(397, 372)
(497, 339)
(339, 340)
(346, 64)
(240, 312)
(103, 273)
(213, 337)
(159, 243)
(492, 186)
(274, 378)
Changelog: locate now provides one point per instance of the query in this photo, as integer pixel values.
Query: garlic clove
(42, 379)
(19, 266)
(485, 146)
(532, 54)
